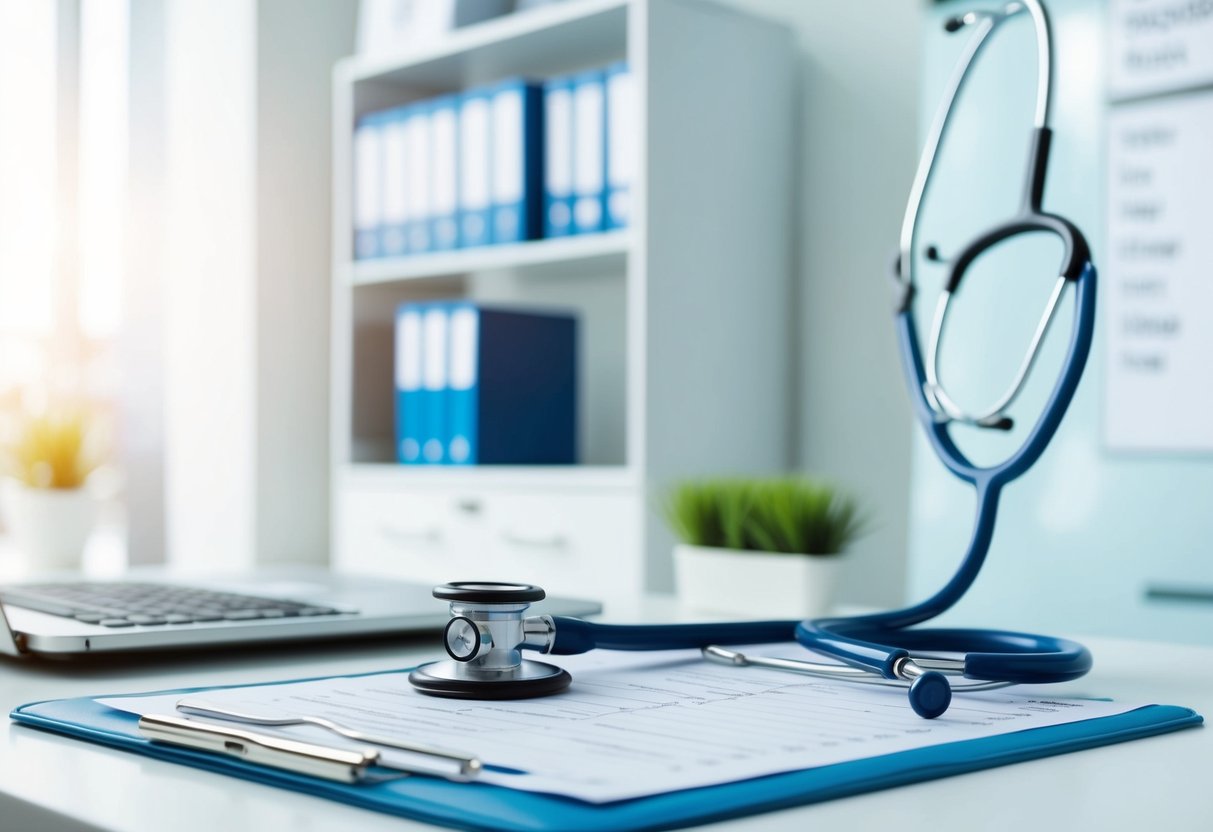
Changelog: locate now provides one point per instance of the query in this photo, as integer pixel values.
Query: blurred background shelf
(391, 476)
(540, 41)
(683, 318)
(563, 256)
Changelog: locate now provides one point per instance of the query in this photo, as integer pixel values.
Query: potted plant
(46, 506)
(760, 547)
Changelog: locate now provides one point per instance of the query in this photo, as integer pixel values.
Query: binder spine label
(434, 385)
(474, 171)
(393, 239)
(368, 180)
(444, 150)
(507, 166)
(558, 161)
(621, 145)
(417, 142)
(409, 405)
(463, 448)
(588, 153)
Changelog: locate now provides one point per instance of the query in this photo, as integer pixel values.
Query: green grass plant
(791, 515)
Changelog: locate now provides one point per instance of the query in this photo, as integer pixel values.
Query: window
(28, 198)
(63, 173)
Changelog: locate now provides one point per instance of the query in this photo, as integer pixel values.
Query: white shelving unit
(684, 317)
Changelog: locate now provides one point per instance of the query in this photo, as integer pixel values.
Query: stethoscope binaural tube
(1029, 220)
(574, 636)
(878, 642)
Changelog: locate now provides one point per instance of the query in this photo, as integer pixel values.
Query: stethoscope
(489, 627)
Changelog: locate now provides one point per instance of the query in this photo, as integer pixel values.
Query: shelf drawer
(588, 544)
(407, 534)
(576, 544)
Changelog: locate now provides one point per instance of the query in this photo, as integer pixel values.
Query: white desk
(49, 782)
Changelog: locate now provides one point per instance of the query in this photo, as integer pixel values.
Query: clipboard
(480, 806)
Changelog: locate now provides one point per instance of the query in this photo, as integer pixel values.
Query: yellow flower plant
(51, 451)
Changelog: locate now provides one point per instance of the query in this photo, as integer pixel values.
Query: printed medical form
(644, 725)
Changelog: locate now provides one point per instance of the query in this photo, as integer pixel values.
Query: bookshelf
(685, 316)
(563, 255)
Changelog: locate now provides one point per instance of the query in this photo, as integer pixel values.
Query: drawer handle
(554, 541)
(433, 534)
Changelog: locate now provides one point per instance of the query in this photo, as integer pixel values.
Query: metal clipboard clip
(345, 765)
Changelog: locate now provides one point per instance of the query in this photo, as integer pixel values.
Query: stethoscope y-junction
(490, 627)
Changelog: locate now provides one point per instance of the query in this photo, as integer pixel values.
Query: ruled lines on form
(641, 724)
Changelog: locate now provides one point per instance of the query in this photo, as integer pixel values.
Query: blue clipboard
(479, 806)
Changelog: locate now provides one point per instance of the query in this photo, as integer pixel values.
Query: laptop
(64, 618)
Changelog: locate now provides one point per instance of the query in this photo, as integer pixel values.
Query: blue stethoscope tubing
(878, 642)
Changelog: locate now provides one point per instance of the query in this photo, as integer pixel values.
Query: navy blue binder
(486, 807)
(516, 170)
(513, 387)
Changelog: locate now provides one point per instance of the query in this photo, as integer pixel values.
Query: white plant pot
(754, 584)
(48, 525)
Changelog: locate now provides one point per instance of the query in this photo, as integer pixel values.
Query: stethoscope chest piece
(484, 638)
(453, 681)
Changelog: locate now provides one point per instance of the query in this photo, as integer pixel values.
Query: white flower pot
(754, 584)
(48, 525)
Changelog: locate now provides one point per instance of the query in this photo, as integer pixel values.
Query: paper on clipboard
(635, 725)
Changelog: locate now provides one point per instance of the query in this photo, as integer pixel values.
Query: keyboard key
(241, 615)
(147, 620)
(116, 622)
(89, 617)
(177, 618)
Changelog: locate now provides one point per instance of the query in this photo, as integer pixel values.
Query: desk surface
(49, 782)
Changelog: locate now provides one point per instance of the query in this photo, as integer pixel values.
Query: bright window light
(27, 166)
(103, 165)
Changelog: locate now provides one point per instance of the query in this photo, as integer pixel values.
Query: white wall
(243, 273)
(142, 331)
(858, 138)
(208, 281)
(298, 42)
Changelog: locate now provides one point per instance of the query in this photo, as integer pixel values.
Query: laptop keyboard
(131, 604)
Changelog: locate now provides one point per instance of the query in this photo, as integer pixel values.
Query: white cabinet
(684, 317)
(570, 540)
